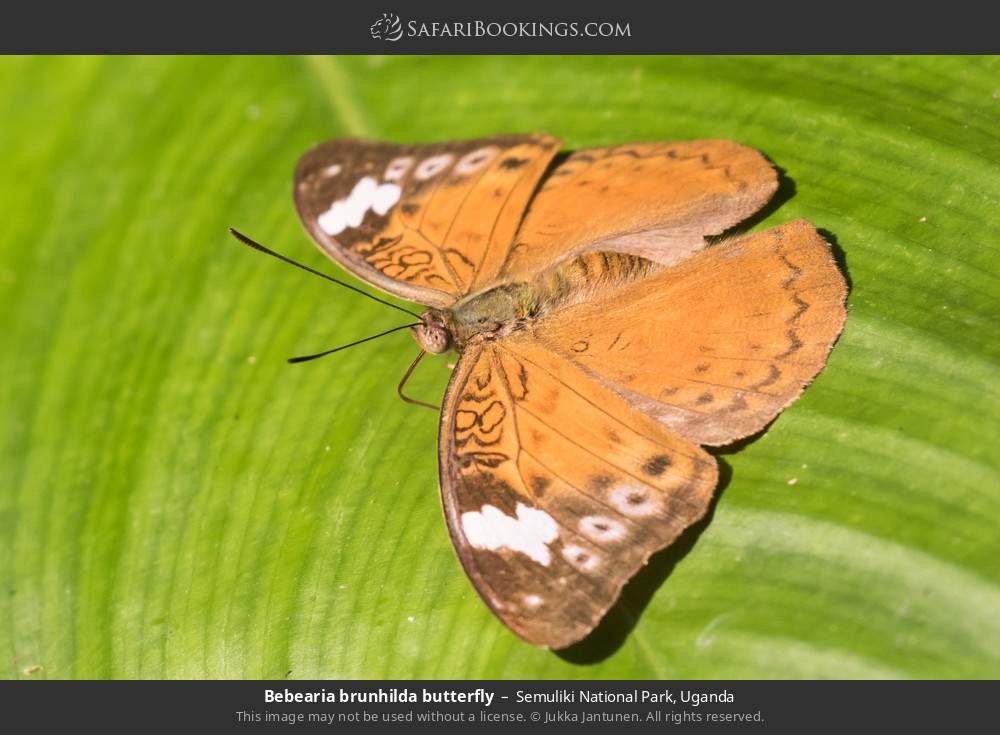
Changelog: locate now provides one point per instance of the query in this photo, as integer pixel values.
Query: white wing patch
(633, 500)
(398, 167)
(580, 558)
(529, 533)
(474, 161)
(366, 194)
(599, 528)
(433, 166)
(533, 601)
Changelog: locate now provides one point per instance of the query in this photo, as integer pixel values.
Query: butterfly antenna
(409, 372)
(305, 358)
(257, 246)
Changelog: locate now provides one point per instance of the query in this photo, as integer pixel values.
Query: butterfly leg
(406, 377)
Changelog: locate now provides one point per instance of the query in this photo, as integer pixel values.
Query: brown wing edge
(462, 551)
(341, 255)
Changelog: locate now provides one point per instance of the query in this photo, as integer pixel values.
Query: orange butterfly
(600, 340)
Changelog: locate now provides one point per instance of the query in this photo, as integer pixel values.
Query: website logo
(387, 28)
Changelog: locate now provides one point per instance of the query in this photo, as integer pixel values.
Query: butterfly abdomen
(578, 277)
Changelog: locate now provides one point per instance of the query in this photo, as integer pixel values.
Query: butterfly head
(433, 334)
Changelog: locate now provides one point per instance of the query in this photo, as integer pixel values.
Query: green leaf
(177, 501)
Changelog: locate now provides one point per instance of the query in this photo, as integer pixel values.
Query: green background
(177, 501)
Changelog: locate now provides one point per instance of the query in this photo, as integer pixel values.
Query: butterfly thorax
(508, 307)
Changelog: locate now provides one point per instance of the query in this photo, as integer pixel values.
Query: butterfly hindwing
(422, 222)
(657, 200)
(716, 346)
(556, 491)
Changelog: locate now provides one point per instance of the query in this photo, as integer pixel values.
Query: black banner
(514, 26)
(789, 706)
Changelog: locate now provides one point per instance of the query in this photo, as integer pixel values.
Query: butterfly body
(503, 309)
(602, 340)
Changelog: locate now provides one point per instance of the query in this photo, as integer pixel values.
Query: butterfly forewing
(716, 346)
(657, 200)
(423, 222)
(555, 490)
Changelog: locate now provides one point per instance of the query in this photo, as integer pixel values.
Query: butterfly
(602, 340)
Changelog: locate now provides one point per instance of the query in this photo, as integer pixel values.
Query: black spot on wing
(657, 465)
(600, 482)
(513, 162)
(539, 485)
